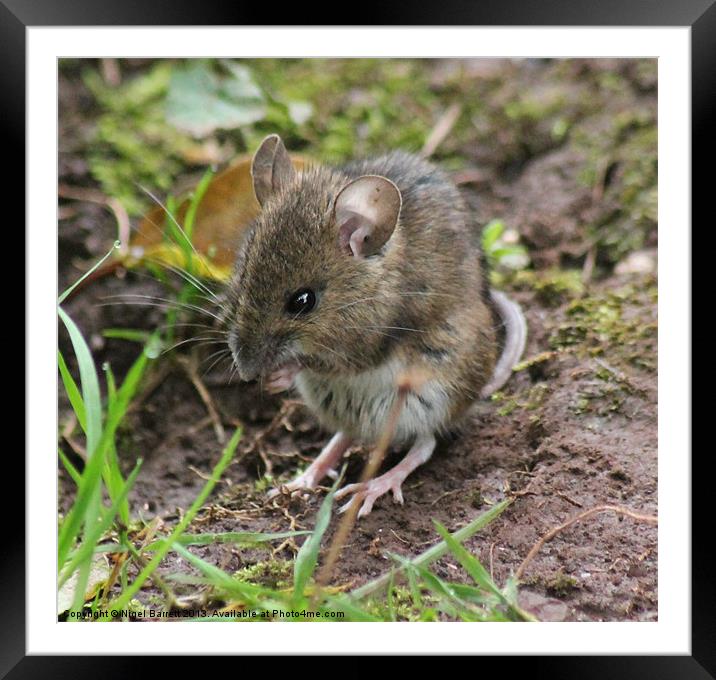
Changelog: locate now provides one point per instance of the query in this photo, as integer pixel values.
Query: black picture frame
(699, 15)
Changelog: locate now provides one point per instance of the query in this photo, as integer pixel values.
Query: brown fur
(420, 298)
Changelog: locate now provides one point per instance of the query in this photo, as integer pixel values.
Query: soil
(575, 428)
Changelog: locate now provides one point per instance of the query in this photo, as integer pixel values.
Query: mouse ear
(271, 168)
(366, 212)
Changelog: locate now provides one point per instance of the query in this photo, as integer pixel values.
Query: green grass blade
(469, 563)
(123, 600)
(247, 592)
(126, 334)
(112, 474)
(196, 199)
(71, 469)
(438, 550)
(89, 381)
(85, 554)
(86, 506)
(87, 549)
(237, 537)
(480, 575)
(118, 403)
(72, 391)
(307, 557)
(64, 295)
(70, 527)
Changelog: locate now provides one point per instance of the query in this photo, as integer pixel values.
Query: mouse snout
(248, 371)
(249, 363)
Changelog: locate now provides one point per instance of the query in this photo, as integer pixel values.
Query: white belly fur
(360, 404)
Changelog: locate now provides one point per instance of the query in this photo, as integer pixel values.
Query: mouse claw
(391, 481)
(369, 492)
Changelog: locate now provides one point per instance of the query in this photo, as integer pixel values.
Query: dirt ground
(575, 427)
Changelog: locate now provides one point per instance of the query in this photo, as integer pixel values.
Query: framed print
(378, 326)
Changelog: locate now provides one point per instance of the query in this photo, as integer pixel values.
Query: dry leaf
(227, 208)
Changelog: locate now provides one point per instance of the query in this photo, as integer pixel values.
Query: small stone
(639, 262)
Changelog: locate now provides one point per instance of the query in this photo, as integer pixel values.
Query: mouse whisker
(390, 328)
(171, 217)
(221, 355)
(210, 296)
(344, 358)
(390, 295)
(201, 339)
(145, 300)
(220, 333)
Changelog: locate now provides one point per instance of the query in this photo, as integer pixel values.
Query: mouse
(353, 276)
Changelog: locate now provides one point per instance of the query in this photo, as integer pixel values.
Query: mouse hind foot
(370, 491)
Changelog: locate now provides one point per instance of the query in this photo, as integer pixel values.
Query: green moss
(534, 362)
(403, 606)
(552, 286)
(509, 403)
(535, 106)
(271, 574)
(334, 110)
(263, 483)
(476, 498)
(622, 164)
(561, 585)
(528, 400)
(600, 401)
(360, 107)
(597, 325)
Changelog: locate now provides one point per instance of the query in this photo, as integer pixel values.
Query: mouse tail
(515, 327)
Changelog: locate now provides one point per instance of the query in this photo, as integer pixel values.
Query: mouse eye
(301, 302)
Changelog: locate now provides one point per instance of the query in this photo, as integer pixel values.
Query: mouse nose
(248, 370)
(248, 363)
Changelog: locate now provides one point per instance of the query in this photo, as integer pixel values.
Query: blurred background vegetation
(158, 124)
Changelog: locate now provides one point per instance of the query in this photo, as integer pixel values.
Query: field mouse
(348, 278)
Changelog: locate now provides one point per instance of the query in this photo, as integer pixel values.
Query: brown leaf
(227, 208)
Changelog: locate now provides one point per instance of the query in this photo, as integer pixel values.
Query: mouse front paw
(282, 378)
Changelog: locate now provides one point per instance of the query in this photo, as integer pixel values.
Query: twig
(445, 494)
(204, 476)
(441, 130)
(78, 450)
(189, 367)
(405, 385)
(565, 497)
(589, 262)
(110, 72)
(281, 418)
(400, 538)
(650, 519)
(70, 425)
